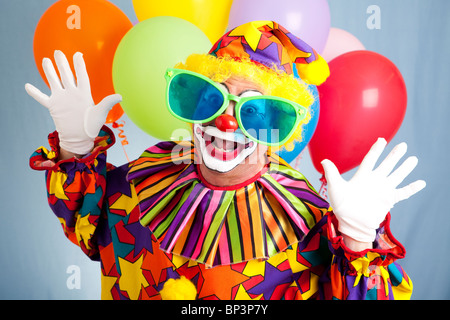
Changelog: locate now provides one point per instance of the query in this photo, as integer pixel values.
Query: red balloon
(363, 99)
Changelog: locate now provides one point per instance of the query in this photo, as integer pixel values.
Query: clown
(222, 217)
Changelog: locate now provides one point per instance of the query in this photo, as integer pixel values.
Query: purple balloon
(309, 20)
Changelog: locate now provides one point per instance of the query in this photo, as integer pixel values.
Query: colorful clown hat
(269, 44)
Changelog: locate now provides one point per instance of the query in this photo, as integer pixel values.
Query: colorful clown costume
(155, 219)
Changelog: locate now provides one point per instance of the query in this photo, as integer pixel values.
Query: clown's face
(227, 156)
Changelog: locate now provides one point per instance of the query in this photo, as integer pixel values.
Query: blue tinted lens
(268, 120)
(193, 98)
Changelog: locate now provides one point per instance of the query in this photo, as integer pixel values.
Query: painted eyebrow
(247, 90)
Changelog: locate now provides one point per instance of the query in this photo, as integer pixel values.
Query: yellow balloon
(209, 16)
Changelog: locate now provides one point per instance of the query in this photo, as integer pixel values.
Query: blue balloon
(308, 129)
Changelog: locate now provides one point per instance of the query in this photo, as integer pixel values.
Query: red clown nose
(226, 122)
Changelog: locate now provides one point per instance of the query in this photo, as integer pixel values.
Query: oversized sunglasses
(194, 98)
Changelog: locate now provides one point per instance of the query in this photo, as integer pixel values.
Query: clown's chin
(222, 151)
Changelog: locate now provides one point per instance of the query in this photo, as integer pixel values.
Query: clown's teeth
(214, 145)
(211, 131)
(223, 145)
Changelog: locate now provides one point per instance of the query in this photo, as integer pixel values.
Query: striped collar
(217, 227)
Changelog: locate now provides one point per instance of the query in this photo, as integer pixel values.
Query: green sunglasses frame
(300, 111)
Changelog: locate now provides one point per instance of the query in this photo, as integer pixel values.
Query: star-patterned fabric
(269, 44)
(104, 210)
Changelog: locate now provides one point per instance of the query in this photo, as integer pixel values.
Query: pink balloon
(340, 42)
(309, 20)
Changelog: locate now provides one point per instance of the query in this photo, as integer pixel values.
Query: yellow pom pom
(178, 289)
(315, 72)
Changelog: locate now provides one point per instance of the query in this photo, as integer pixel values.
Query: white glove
(362, 203)
(77, 120)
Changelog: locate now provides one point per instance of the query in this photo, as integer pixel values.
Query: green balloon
(139, 65)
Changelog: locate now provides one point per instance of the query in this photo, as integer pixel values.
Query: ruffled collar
(217, 226)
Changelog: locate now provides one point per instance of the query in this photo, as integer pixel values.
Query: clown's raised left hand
(363, 202)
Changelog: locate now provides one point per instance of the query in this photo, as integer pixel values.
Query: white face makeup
(223, 151)
(229, 158)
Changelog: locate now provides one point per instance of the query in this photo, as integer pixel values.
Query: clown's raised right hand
(77, 119)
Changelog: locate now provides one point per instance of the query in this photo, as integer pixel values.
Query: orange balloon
(92, 27)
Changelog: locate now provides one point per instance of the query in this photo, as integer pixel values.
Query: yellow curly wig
(276, 83)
